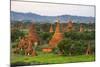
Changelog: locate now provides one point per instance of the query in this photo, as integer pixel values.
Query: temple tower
(27, 42)
(51, 29)
(69, 25)
(57, 37)
(81, 28)
(32, 35)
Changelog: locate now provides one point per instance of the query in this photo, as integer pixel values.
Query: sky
(48, 9)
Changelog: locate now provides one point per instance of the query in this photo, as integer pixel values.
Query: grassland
(49, 58)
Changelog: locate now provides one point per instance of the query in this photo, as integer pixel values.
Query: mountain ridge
(15, 16)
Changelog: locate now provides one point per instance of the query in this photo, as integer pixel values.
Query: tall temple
(69, 25)
(57, 37)
(51, 29)
(26, 43)
(81, 28)
(32, 35)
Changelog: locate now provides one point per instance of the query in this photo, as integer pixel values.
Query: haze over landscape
(48, 12)
(49, 9)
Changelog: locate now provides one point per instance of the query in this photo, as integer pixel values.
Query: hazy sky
(52, 9)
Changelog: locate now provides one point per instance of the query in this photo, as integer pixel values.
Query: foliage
(80, 35)
(45, 36)
(72, 47)
(15, 34)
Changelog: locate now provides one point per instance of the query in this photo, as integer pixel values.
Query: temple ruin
(57, 37)
(51, 29)
(81, 28)
(69, 26)
(27, 43)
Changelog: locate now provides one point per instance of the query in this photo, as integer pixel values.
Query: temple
(81, 28)
(69, 26)
(32, 35)
(57, 37)
(51, 29)
(27, 43)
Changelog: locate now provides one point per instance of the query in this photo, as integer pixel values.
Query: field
(49, 58)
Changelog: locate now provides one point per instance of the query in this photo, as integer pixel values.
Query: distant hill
(15, 16)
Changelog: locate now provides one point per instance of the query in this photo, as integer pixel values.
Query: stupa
(69, 25)
(57, 37)
(51, 29)
(26, 43)
(32, 35)
(81, 28)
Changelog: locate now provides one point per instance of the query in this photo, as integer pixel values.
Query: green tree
(72, 47)
(15, 34)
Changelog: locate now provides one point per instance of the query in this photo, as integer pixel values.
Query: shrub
(15, 34)
(71, 47)
(80, 35)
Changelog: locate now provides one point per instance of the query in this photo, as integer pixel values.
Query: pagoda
(69, 26)
(51, 29)
(26, 43)
(81, 28)
(32, 35)
(57, 37)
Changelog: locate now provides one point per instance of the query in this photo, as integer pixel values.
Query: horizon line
(50, 15)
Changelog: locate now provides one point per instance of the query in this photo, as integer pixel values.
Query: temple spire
(57, 37)
(32, 34)
(57, 25)
(81, 28)
(69, 25)
(51, 29)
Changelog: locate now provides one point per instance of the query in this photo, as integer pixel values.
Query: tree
(15, 34)
(71, 47)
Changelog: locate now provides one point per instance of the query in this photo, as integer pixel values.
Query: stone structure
(69, 26)
(81, 28)
(57, 37)
(27, 43)
(32, 35)
(51, 29)
(88, 50)
(47, 50)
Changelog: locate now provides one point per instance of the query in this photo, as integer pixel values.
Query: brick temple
(57, 37)
(27, 43)
(51, 29)
(69, 25)
(81, 28)
(32, 35)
